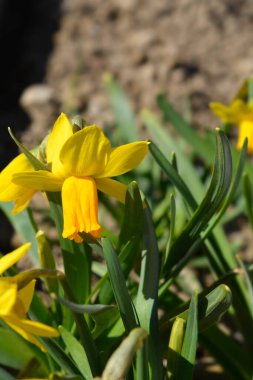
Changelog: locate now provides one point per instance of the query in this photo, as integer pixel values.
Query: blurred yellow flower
(79, 164)
(240, 114)
(15, 302)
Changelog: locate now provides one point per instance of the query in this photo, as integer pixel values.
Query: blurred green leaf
(24, 228)
(4, 375)
(230, 354)
(124, 115)
(204, 146)
(167, 145)
(14, 352)
(247, 189)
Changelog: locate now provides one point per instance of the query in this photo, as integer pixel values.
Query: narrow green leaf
(130, 237)
(173, 175)
(188, 352)
(61, 358)
(211, 307)
(215, 196)
(124, 302)
(147, 296)
(172, 227)
(77, 353)
(38, 165)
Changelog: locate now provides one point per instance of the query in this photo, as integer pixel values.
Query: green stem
(84, 332)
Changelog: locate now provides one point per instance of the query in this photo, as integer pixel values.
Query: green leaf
(75, 256)
(124, 302)
(81, 309)
(211, 307)
(124, 116)
(76, 352)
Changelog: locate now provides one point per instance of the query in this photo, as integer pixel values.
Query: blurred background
(54, 54)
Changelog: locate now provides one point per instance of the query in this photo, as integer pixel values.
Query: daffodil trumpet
(80, 164)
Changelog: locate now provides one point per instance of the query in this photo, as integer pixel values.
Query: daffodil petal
(35, 328)
(245, 131)
(18, 164)
(16, 326)
(11, 258)
(38, 180)
(9, 192)
(80, 208)
(8, 296)
(61, 131)
(22, 199)
(26, 295)
(113, 188)
(86, 153)
(124, 158)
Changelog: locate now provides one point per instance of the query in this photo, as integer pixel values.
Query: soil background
(194, 51)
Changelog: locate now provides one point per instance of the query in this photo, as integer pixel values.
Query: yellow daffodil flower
(240, 114)
(80, 163)
(9, 192)
(15, 302)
